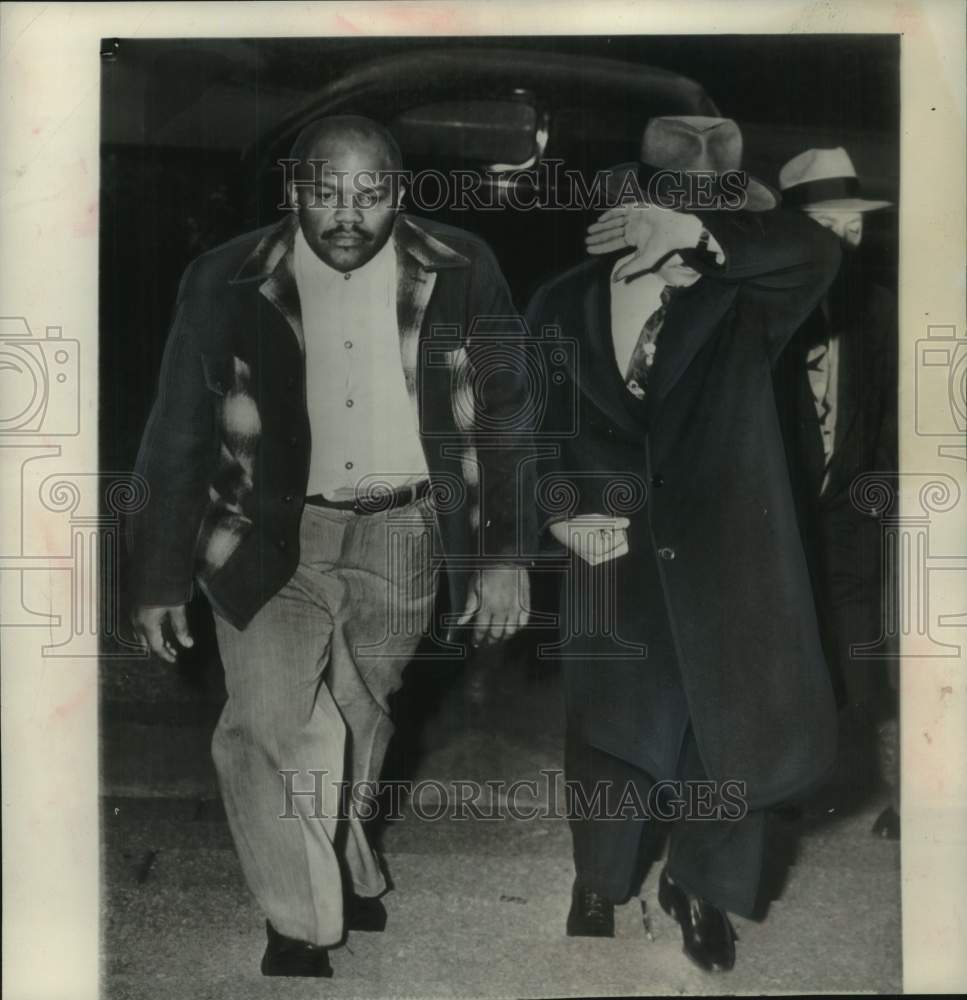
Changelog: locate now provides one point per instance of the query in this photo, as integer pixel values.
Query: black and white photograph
(516, 551)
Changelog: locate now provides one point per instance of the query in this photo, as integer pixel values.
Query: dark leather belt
(375, 503)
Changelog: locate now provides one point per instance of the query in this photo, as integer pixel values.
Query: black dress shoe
(365, 913)
(707, 935)
(285, 956)
(591, 915)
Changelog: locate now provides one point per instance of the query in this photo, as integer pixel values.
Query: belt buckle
(393, 500)
(402, 496)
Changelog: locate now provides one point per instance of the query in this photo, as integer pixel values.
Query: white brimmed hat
(824, 178)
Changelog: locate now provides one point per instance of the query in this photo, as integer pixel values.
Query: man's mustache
(353, 230)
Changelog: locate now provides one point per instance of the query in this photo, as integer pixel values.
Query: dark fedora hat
(690, 162)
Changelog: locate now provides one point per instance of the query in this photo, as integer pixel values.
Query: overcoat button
(281, 544)
(667, 553)
(657, 481)
(287, 498)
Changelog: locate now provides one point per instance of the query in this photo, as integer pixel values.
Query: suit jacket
(865, 438)
(843, 539)
(226, 449)
(715, 585)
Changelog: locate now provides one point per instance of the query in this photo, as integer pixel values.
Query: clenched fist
(149, 624)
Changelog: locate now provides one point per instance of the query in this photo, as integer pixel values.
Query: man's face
(848, 226)
(677, 273)
(347, 212)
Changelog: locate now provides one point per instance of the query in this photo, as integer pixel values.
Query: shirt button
(349, 465)
(349, 403)
(348, 345)
(347, 275)
(657, 481)
(667, 553)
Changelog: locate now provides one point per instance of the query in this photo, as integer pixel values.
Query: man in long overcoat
(689, 638)
(836, 388)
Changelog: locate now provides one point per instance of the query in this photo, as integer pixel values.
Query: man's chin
(347, 257)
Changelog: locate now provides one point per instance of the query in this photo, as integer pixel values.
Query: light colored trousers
(308, 681)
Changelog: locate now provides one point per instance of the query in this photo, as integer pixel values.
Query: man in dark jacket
(689, 639)
(836, 386)
(314, 441)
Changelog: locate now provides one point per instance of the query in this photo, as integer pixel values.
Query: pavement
(477, 908)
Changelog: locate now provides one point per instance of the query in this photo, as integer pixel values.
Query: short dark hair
(350, 127)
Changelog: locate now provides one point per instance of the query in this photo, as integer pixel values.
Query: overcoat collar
(691, 319)
(419, 257)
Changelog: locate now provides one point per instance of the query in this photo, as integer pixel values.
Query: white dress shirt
(362, 420)
(632, 303)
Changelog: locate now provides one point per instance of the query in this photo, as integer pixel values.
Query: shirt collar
(639, 284)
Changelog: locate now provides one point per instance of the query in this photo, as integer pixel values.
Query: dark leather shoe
(285, 956)
(707, 934)
(365, 913)
(591, 915)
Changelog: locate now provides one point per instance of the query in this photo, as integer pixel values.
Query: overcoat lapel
(271, 263)
(414, 287)
(693, 316)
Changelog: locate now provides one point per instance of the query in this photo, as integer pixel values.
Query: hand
(652, 232)
(498, 601)
(149, 623)
(596, 538)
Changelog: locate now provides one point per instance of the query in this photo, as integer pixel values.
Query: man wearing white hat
(836, 386)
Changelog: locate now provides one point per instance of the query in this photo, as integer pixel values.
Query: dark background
(190, 129)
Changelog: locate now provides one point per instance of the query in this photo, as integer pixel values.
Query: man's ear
(400, 195)
(291, 197)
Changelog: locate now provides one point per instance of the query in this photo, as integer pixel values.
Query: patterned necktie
(643, 356)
